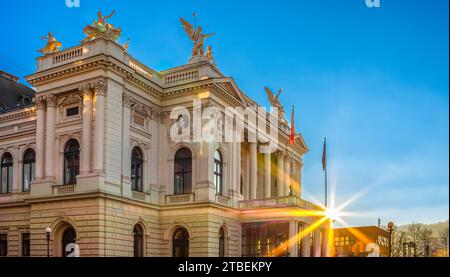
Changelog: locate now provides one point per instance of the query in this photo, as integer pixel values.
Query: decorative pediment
(232, 89)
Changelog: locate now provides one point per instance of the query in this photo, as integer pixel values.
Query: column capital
(100, 88)
(287, 158)
(40, 103)
(86, 90)
(51, 100)
(279, 154)
(126, 100)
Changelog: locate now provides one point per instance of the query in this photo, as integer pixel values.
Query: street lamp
(390, 229)
(48, 233)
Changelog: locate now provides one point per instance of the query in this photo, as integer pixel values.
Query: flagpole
(326, 174)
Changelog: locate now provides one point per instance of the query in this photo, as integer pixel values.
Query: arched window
(68, 238)
(138, 234)
(222, 238)
(71, 162)
(137, 170)
(6, 173)
(218, 172)
(29, 162)
(180, 243)
(183, 171)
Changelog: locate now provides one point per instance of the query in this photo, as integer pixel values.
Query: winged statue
(197, 36)
(273, 99)
(52, 45)
(101, 28)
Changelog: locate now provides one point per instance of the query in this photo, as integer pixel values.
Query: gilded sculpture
(197, 36)
(101, 28)
(209, 54)
(52, 44)
(275, 102)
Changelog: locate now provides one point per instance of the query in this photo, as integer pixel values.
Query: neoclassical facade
(93, 160)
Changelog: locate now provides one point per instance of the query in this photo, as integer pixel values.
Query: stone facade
(124, 105)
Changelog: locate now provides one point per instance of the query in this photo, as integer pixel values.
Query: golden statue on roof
(197, 36)
(52, 44)
(101, 28)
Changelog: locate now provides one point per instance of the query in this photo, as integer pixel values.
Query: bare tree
(443, 237)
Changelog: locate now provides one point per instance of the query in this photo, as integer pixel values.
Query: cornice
(18, 114)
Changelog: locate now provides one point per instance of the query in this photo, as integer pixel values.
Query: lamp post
(390, 228)
(48, 233)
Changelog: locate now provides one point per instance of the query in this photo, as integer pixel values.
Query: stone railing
(140, 68)
(61, 190)
(182, 77)
(276, 202)
(179, 199)
(223, 200)
(141, 196)
(67, 55)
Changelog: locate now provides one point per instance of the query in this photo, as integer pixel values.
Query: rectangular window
(3, 245)
(72, 111)
(26, 245)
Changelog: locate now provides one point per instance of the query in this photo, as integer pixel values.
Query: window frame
(6, 166)
(73, 163)
(218, 172)
(182, 243)
(4, 245)
(138, 240)
(185, 163)
(25, 237)
(137, 173)
(222, 242)
(31, 163)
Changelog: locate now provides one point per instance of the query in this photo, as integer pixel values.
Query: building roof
(363, 229)
(13, 95)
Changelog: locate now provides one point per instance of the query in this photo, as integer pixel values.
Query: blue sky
(374, 81)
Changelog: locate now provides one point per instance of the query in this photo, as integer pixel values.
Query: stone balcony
(90, 50)
(276, 202)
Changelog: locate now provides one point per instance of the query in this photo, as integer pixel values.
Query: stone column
(294, 180)
(280, 174)
(253, 169)
(246, 173)
(85, 165)
(325, 246)
(306, 246)
(50, 138)
(293, 239)
(267, 175)
(316, 243)
(237, 188)
(99, 135)
(126, 152)
(40, 138)
(287, 176)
